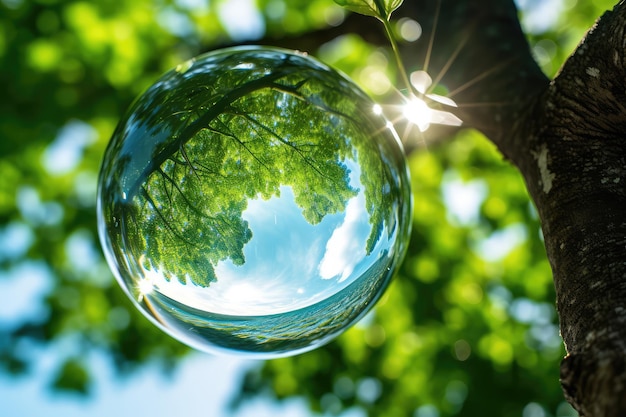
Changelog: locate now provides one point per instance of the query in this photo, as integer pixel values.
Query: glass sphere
(253, 201)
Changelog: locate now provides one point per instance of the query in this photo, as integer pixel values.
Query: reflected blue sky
(290, 263)
(282, 259)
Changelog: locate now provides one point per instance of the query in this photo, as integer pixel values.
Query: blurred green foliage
(468, 326)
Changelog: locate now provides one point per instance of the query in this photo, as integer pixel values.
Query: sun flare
(145, 287)
(416, 111)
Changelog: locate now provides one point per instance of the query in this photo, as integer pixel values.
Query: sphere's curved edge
(126, 257)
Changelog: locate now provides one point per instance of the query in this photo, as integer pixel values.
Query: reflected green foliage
(228, 128)
(244, 152)
(457, 334)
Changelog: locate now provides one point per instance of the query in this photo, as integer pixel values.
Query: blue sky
(201, 386)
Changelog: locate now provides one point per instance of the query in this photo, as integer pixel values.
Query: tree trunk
(568, 139)
(571, 150)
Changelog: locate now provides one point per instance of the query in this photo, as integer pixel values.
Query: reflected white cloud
(346, 246)
(289, 263)
(280, 272)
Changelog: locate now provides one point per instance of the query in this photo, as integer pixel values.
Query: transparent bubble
(252, 202)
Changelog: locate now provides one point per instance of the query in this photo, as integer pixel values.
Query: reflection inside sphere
(252, 201)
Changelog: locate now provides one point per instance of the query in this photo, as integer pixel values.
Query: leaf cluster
(380, 9)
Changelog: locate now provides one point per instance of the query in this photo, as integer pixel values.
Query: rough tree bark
(568, 139)
(577, 177)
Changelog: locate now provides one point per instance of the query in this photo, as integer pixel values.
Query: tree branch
(484, 60)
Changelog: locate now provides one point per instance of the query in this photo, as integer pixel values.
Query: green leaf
(72, 377)
(390, 5)
(380, 9)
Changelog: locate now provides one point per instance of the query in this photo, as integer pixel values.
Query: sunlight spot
(145, 287)
(377, 109)
(416, 111)
(151, 280)
(410, 30)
